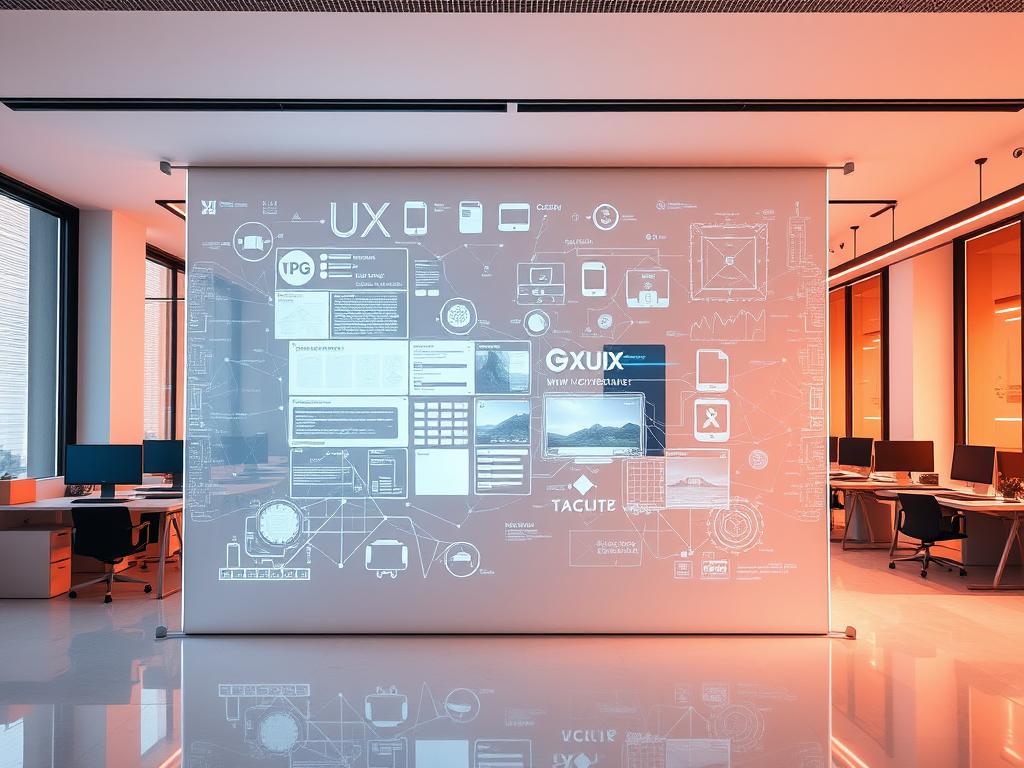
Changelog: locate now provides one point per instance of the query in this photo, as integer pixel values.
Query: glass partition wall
(858, 372)
(991, 349)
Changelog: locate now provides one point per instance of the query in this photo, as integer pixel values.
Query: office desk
(166, 508)
(991, 506)
(855, 491)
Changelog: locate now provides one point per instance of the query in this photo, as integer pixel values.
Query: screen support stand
(108, 490)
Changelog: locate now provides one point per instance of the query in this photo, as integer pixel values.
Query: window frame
(67, 305)
(960, 320)
(177, 267)
(847, 289)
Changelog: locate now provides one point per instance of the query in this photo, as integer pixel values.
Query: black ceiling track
(528, 6)
(47, 104)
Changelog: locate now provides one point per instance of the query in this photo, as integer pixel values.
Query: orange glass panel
(992, 338)
(837, 362)
(866, 360)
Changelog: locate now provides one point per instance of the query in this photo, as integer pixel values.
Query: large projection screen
(506, 400)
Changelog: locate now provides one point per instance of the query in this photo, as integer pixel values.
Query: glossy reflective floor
(936, 678)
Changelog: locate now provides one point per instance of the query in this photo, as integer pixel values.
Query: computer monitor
(833, 449)
(904, 456)
(593, 427)
(247, 450)
(973, 463)
(164, 457)
(855, 451)
(1010, 463)
(103, 465)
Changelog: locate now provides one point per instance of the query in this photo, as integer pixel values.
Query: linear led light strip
(926, 238)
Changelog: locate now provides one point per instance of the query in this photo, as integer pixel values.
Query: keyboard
(102, 500)
(162, 495)
(964, 497)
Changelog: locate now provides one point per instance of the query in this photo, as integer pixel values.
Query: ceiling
(110, 159)
(529, 6)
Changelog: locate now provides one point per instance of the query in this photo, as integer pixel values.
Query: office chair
(107, 534)
(921, 517)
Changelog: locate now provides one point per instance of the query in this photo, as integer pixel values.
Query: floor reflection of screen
(593, 425)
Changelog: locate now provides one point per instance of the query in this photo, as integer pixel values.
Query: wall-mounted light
(177, 207)
(908, 245)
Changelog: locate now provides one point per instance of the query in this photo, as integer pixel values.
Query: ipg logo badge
(295, 268)
(209, 207)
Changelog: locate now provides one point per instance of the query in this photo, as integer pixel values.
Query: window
(36, 363)
(990, 264)
(858, 363)
(165, 307)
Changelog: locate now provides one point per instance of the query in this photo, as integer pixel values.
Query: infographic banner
(506, 400)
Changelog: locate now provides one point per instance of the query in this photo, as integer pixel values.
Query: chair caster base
(72, 595)
(963, 572)
(924, 574)
(147, 589)
(893, 566)
(108, 599)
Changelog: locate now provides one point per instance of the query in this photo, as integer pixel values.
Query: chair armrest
(143, 529)
(957, 520)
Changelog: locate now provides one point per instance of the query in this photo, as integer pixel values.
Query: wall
(921, 352)
(111, 305)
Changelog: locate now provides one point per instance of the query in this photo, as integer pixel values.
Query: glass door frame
(960, 320)
(847, 288)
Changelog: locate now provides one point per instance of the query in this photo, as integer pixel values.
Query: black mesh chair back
(104, 533)
(921, 517)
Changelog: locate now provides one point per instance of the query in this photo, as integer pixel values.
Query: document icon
(471, 217)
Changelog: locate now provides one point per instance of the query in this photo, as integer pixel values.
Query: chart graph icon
(742, 326)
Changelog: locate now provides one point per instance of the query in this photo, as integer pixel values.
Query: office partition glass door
(992, 337)
(867, 351)
(30, 352)
(837, 362)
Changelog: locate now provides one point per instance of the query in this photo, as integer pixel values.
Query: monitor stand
(980, 489)
(107, 491)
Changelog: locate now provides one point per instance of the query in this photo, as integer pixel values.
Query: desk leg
(165, 526)
(997, 581)
(855, 508)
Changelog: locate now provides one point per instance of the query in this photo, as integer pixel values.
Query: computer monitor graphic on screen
(593, 427)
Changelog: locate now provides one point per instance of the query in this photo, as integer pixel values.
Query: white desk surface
(64, 503)
(986, 504)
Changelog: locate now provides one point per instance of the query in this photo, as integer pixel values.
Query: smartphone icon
(594, 278)
(712, 370)
(471, 217)
(415, 217)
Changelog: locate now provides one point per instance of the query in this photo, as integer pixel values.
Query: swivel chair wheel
(72, 594)
(147, 589)
(963, 571)
(924, 574)
(893, 566)
(108, 599)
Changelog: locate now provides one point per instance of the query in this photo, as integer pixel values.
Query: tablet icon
(711, 419)
(513, 217)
